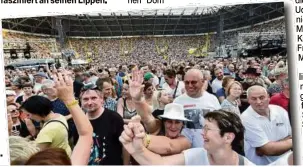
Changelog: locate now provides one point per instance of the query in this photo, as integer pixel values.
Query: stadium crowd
(224, 111)
(144, 101)
(135, 50)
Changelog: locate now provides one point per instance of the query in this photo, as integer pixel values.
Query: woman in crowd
(166, 132)
(231, 103)
(163, 98)
(222, 132)
(28, 92)
(149, 93)
(20, 127)
(221, 93)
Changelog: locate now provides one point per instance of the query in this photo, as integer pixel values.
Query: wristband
(73, 103)
(147, 139)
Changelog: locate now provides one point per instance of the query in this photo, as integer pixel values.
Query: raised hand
(136, 84)
(126, 139)
(139, 132)
(64, 86)
(133, 135)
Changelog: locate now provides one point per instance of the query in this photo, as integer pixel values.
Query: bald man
(217, 82)
(197, 102)
(267, 128)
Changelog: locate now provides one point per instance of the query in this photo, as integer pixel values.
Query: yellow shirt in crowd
(56, 134)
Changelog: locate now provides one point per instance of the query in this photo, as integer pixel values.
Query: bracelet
(147, 139)
(74, 102)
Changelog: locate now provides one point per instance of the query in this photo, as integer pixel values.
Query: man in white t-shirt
(267, 128)
(196, 102)
(217, 83)
(172, 83)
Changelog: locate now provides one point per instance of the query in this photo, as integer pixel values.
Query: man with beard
(252, 78)
(107, 126)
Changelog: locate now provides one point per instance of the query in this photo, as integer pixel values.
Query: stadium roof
(185, 21)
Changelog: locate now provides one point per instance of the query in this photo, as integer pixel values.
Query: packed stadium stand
(133, 36)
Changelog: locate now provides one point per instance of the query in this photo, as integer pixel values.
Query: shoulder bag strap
(174, 96)
(56, 121)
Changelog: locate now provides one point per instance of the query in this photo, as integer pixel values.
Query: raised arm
(81, 152)
(132, 140)
(165, 146)
(143, 109)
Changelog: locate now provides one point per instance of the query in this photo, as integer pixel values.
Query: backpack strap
(241, 160)
(56, 121)
(174, 96)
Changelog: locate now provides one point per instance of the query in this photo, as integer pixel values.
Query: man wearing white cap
(39, 78)
(10, 96)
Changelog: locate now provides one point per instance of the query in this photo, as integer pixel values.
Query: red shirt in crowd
(280, 99)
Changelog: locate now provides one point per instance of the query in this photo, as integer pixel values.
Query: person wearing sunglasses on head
(107, 127)
(222, 133)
